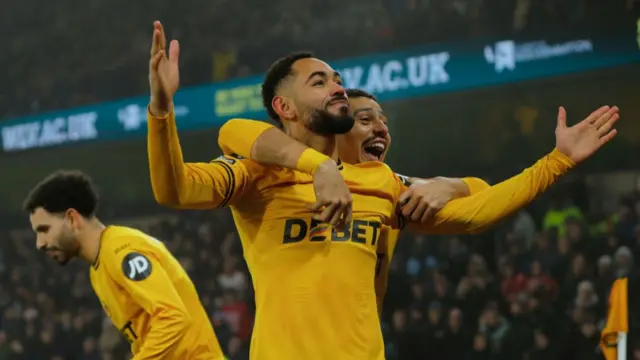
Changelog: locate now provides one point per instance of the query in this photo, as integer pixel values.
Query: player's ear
(73, 217)
(283, 107)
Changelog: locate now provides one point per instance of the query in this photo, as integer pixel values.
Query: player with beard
(142, 288)
(369, 140)
(314, 284)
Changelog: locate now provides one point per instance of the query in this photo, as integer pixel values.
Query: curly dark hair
(64, 190)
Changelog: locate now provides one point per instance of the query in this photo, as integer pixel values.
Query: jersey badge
(136, 266)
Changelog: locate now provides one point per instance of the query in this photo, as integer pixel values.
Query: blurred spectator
(624, 261)
(494, 326)
(232, 278)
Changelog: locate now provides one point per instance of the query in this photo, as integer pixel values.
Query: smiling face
(54, 235)
(314, 95)
(369, 139)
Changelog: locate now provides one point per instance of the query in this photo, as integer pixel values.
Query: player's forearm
(475, 213)
(268, 145)
(473, 185)
(239, 136)
(175, 183)
(165, 160)
(464, 186)
(168, 327)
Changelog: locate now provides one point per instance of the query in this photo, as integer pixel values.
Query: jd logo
(136, 266)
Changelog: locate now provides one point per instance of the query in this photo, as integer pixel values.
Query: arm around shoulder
(478, 212)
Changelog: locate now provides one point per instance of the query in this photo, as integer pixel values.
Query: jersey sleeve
(190, 185)
(475, 185)
(237, 136)
(478, 212)
(138, 271)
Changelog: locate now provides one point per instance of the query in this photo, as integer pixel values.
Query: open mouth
(374, 149)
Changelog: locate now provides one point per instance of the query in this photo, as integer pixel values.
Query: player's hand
(585, 138)
(425, 198)
(333, 198)
(164, 76)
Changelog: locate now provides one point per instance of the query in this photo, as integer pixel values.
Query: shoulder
(376, 167)
(129, 252)
(234, 161)
(115, 239)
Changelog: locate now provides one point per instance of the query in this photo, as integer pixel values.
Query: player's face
(369, 139)
(54, 235)
(319, 98)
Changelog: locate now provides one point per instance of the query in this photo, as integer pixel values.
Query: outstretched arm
(574, 144)
(475, 213)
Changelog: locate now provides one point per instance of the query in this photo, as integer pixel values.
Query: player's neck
(91, 239)
(325, 144)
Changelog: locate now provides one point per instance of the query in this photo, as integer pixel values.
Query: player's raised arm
(480, 211)
(174, 183)
(141, 275)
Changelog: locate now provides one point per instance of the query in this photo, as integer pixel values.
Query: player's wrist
(310, 160)
(158, 110)
(565, 160)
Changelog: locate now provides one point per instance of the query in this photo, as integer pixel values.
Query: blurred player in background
(142, 288)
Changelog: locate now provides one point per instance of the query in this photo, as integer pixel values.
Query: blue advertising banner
(414, 72)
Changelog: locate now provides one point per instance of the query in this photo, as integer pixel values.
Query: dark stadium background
(59, 55)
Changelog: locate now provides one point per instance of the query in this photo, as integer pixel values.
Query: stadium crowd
(90, 60)
(539, 293)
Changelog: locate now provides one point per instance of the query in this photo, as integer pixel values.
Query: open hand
(164, 76)
(582, 140)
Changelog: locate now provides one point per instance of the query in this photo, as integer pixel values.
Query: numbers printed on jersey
(136, 266)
